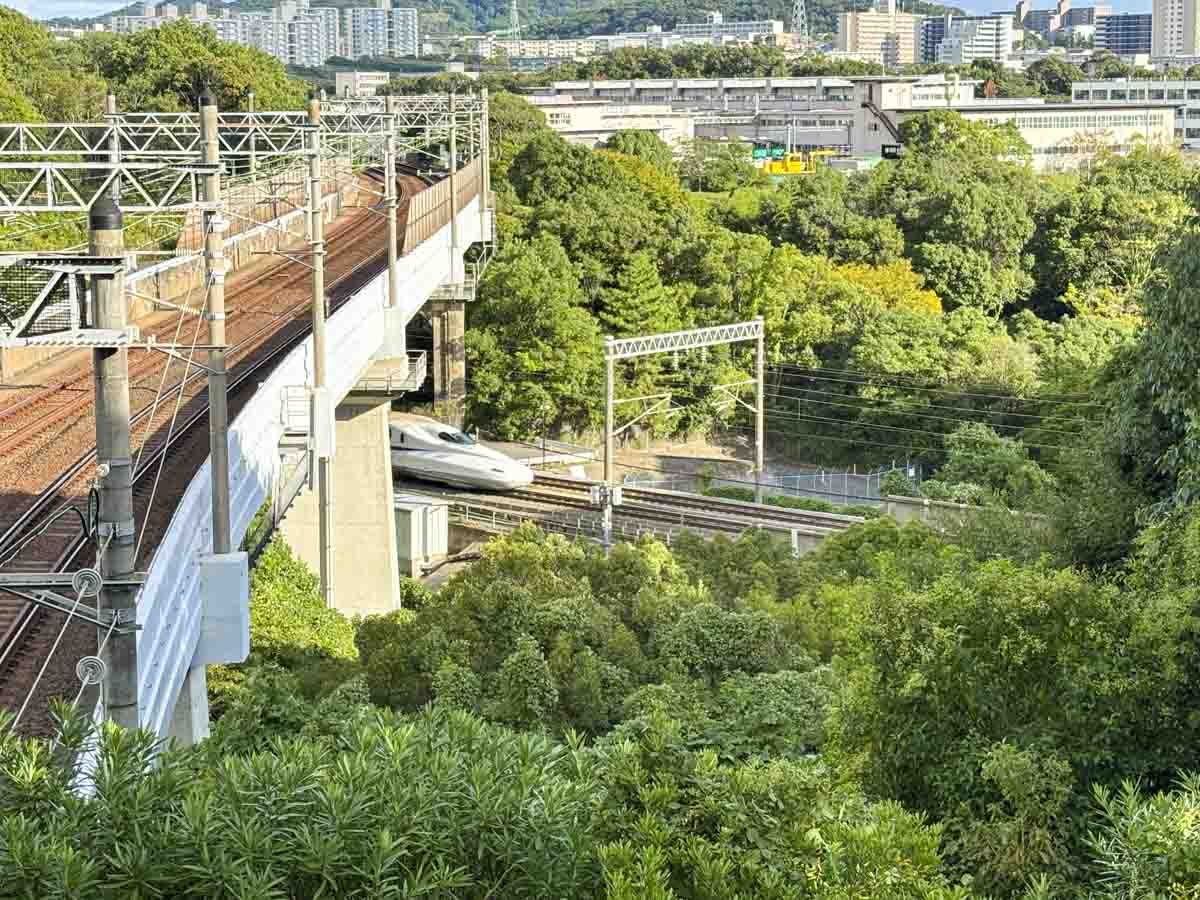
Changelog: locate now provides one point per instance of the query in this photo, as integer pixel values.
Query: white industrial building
(1182, 95)
(592, 122)
(860, 116)
(359, 84)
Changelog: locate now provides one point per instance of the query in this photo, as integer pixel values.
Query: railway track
(46, 533)
(564, 504)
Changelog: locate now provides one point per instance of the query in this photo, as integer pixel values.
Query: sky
(48, 9)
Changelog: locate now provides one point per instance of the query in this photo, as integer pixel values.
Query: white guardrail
(169, 606)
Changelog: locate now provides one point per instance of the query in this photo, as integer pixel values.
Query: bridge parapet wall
(169, 606)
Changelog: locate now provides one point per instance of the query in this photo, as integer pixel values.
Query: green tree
(512, 123)
(715, 166)
(1054, 76)
(976, 454)
(961, 197)
(531, 344)
(822, 213)
(639, 303)
(1103, 237)
(645, 145)
(166, 68)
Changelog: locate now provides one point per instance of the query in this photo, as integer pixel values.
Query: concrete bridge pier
(449, 318)
(366, 573)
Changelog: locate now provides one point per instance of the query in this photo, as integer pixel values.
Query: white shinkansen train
(434, 451)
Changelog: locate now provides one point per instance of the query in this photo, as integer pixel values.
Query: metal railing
(401, 379)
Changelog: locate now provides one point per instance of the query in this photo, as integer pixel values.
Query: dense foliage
(887, 717)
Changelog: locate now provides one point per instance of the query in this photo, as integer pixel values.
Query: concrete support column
(189, 721)
(449, 359)
(364, 525)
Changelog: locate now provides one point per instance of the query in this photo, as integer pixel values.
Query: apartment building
(970, 38)
(888, 36)
(1176, 28)
(379, 31)
(292, 33)
(976, 37)
(717, 30)
(1126, 34)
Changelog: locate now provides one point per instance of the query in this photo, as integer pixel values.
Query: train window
(456, 437)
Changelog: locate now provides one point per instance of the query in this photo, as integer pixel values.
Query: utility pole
(218, 380)
(115, 528)
(760, 368)
(114, 142)
(393, 203)
(485, 149)
(607, 498)
(253, 135)
(316, 233)
(454, 259)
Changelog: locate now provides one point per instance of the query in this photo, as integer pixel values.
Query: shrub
(290, 627)
(441, 806)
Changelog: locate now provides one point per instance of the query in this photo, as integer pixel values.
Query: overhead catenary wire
(49, 656)
(961, 420)
(870, 380)
(171, 427)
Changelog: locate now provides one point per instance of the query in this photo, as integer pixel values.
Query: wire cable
(870, 380)
(171, 428)
(49, 656)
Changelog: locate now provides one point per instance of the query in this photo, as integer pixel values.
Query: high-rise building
(929, 36)
(1176, 28)
(976, 37)
(405, 33)
(365, 32)
(380, 31)
(890, 35)
(1084, 15)
(1125, 34)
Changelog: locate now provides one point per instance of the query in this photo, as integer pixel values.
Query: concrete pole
(115, 528)
(485, 164)
(454, 264)
(760, 367)
(218, 380)
(316, 233)
(114, 142)
(608, 409)
(393, 204)
(253, 135)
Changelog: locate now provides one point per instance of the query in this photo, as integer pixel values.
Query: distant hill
(570, 18)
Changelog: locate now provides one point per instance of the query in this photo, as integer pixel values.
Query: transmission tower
(514, 22)
(800, 19)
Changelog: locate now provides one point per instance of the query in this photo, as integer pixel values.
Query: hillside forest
(1001, 709)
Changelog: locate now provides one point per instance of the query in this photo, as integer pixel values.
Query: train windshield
(457, 437)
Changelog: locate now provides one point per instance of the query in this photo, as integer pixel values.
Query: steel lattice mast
(800, 19)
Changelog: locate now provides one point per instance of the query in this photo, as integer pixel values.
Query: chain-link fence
(848, 487)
